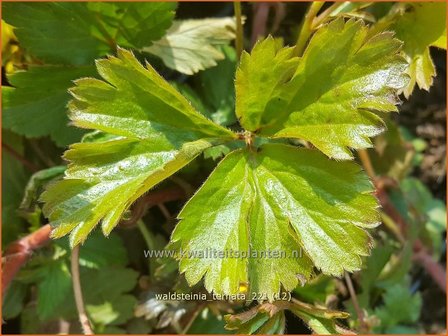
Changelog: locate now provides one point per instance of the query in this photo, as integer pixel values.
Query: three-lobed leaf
(328, 98)
(279, 200)
(156, 131)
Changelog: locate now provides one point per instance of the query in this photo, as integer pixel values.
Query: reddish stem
(20, 251)
(30, 166)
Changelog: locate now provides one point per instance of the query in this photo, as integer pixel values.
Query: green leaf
(260, 77)
(53, 289)
(371, 273)
(12, 172)
(77, 33)
(321, 321)
(391, 155)
(317, 290)
(116, 311)
(29, 207)
(13, 300)
(255, 203)
(220, 94)
(208, 323)
(36, 105)
(193, 45)
(422, 25)
(99, 251)
(270, 319)
(431, 212)
(105, 294)
(332, 89)
(158, 132)
(257, 321)
(400, 306)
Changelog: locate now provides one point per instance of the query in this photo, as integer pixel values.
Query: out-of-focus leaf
(218, 89)
(400, 306)
(391, 156)
(317, 290)
(138, 326)
(105, 295)
(114, 312)
(36, 104)
(208, 323)
(423, 24)
(430, 211)
(193, 45)
(397, 268)
(158, 132)
(29, 209)
(13, 300)
(29, 320)
(374, 265)
(331, 90)
(254, 202)
(353, 10)
(14, 180)
(78, 32)
(53, 288)
(99, 251)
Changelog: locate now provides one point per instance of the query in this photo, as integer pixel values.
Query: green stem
(239, 29)
(150, 244)
(307, 27)
(326, 13)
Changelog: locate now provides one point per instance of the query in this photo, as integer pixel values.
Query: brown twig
(359, 312)
(432, 267)
(259, 24)
(83, 319)
(20, 251)
(29, 165)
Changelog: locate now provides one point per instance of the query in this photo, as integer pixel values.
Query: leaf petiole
(307, 27)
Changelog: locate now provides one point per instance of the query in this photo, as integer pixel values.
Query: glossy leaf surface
(156, 133)
(342, 76)
(280, 199)
(421, 26)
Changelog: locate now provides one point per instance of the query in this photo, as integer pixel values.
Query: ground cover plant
(220, 168)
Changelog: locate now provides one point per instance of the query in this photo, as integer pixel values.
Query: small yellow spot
(244, 286)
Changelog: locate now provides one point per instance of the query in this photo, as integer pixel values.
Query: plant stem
(359, 312)
(83, 319)
(392, 226)
(322, 16)
(239, 28)
(149, 240)
(366, 163)
(29, 165)
(307, 27)
(19, 251)
(43, 157)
